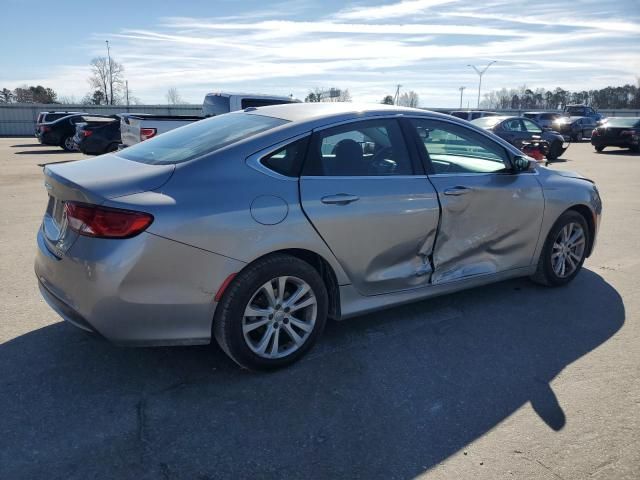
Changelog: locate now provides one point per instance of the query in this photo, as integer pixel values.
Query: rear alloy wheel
(68, 144)
(272, 313)
(564, 250)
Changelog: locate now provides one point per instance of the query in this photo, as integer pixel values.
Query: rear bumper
(145, 290)
(624, 142)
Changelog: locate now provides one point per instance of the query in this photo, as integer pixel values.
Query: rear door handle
(458, 190)
(339, 199)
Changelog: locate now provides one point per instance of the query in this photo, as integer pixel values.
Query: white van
(224, 102)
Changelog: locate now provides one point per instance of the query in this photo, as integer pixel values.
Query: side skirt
(353, 303)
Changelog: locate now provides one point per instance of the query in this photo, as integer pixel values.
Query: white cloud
(382, 12)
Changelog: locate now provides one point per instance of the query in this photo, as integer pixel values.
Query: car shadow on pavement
(42, 152)
(386, 395)
(622, 151)
(25, 145)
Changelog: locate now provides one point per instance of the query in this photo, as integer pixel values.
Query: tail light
(104, 222)
(147, 133)
(45, 129)
(595, 133)
(87, 133)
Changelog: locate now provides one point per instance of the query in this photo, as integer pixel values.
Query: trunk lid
(93, 181)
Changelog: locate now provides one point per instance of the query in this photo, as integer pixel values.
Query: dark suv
(48, 117)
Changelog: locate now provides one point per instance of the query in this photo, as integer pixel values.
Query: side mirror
(521, 164)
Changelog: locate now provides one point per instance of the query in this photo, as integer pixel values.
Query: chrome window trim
(363, 177)
(255, 160)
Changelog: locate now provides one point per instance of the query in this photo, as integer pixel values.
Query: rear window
(199, 138)
(50, 117)
(623, 122)
(215, 105)
(486, 122)
(260, 102)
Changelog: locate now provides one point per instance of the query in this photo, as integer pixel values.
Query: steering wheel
(379, 164)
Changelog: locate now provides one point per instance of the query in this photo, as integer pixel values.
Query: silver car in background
(256, 226)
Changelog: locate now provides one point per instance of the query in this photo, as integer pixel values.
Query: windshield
(486, 122)
(199, 138)
(623, 122)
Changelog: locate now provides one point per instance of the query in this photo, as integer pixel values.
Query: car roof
(302, 112)
(252, 95)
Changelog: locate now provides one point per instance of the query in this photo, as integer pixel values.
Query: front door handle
(339, 199)
(458, 190)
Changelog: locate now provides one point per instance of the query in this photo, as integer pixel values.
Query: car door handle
(339, 199)
(458, 190)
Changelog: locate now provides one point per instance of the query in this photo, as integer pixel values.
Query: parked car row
(97, 134)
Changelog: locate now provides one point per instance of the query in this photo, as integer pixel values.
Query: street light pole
(480, 73)
(397, 94)
(461, 91)
(110, 77)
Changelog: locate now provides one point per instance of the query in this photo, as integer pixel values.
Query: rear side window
(199, 138)
(259, 102)
(288, 160)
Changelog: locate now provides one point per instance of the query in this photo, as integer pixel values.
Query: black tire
(227, 323)
(599, 149)
(65, 144)
(577, 137)
(555, 150)
(545, 274)
(113, 147)
(635, 148)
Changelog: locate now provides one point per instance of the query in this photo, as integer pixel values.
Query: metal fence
(20, 119)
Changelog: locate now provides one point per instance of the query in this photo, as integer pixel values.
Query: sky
(290, 47)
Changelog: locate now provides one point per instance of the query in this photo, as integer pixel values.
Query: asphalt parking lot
(511, 380)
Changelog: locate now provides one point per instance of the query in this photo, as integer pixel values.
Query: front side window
(199, 138)
(366, 148)
(455, 149)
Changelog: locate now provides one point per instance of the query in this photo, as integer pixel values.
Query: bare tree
(328, 95)
(108, 78)
(173, 97)
(409, 99)
(387, 100)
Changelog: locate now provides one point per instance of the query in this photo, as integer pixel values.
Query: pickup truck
(583, 111)
(137, 127)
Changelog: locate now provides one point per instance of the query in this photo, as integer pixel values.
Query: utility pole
(126, 87)
(397, 97)
(461, 91)
(480, 73)
(110, 102)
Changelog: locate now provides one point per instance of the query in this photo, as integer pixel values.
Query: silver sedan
(254, 227)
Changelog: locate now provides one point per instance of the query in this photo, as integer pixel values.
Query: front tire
(599, 149)
(272, 313)
(564, 251)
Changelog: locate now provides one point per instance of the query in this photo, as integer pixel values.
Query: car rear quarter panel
(222, 205)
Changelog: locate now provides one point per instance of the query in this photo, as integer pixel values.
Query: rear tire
(555, 150)
(599, 149)
(263, 328)
(635, 148)
(113, 147)
(67, 144)
(563, 255)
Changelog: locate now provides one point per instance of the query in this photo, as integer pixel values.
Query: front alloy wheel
(564, 250)
(568, 250)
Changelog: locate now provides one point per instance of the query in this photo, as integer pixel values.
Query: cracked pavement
(510, 380)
